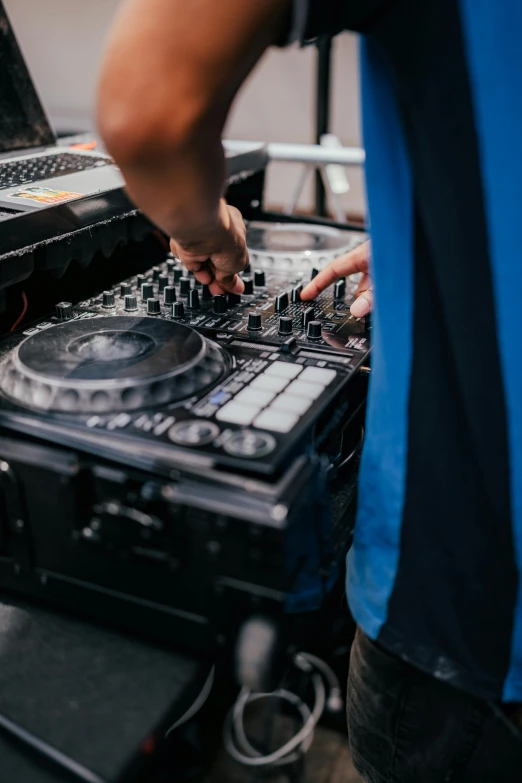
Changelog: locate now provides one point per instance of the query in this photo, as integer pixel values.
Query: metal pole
(324, 62)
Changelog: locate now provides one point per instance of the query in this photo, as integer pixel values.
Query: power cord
(236, 741)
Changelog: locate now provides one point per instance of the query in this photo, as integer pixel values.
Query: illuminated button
(309, 390)
(284, 369)
(255, 397)
(271, 383)
(291, 403)
(317, 375)
(276, 421)
(235, 413)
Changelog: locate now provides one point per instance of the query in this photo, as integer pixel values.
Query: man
(433, 576)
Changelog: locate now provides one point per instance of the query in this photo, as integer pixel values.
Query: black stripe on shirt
(452, 606)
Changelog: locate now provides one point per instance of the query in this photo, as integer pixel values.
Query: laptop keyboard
(22, 172)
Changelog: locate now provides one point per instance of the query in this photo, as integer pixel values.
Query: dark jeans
(407, 727)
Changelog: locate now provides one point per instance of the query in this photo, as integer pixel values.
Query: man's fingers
(204, 276)
(363, 304)
(364, 284)
(356, 260)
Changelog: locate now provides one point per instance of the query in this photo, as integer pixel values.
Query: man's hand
(355, 261)
(170, 75)
(216, 259)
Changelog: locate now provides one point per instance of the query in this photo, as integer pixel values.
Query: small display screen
(23, 123)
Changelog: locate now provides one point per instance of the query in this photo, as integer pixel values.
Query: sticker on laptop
(45, 195)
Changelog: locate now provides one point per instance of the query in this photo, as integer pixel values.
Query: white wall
(62, 41)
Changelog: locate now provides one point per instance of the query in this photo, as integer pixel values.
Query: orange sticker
(45, 195)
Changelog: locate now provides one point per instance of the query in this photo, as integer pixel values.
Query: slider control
(308, 315)
(340, 289)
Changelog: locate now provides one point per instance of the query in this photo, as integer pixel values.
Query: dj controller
(173, 461)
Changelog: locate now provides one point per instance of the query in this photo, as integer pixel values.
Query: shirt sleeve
(311, 19)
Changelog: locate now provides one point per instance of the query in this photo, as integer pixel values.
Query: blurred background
(62, 41)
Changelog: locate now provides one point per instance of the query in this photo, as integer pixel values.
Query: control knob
(254, 322)
(234, 299)
(259, 278)
(64, 311)
(220, 304)
(205, 292)
(131, 302)
(147, 291)
(193, 299)
(340, 289)
(108, 299)
(171, 264)
(153, 306)
(184, 286)
(313, 331)
(178, 274)
(308, 315)
(285, 325)
(125, 288)
(178, 310)
(169, 294)
(140, 279)
(249, 286)
(156, 272)
(315, 272)
(163, 281)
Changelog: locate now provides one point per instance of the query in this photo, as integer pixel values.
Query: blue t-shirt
(434, 570)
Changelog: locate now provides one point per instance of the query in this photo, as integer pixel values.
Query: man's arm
(170, 74)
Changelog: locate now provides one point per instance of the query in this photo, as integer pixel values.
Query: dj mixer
(171, 460)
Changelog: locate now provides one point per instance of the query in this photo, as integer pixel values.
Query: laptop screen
(23, 123)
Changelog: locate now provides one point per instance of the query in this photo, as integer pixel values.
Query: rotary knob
(259, 278)
(147, 291)
(125, 288)
(281, 302)
(234, 299)
(169, 294)
(153, 306)
(220, 304)
(131, 302)
(64, 311)
(163, 281)
(178, 310)
(193, 300)
(170, 265)
(313, 331)
(249, 286)
(178, 274)
(156, 272)
(308, 315)
(140, 279)
(285, 325)
(205, 292)
(296, 294)
(108, 299)
(315, 272)
(184, 286)
(254, 322)
(340, 289)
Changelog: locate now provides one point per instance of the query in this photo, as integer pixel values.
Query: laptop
(35, 172)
